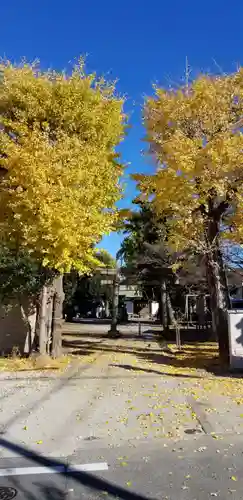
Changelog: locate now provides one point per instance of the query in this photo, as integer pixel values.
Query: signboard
(129, 291)
(106, 282)
(106, 271)
(235, 328)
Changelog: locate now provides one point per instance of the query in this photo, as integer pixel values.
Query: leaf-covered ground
(128, 390)
(163, 384)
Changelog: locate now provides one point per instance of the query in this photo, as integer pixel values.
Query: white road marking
(25, 471)
(88, 467)
(28, 471)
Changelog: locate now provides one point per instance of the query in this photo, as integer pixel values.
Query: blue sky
(138, 42)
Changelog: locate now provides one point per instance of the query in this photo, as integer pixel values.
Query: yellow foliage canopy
(59, 169)
(196, 137)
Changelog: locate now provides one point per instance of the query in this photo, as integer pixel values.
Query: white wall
(154, 308)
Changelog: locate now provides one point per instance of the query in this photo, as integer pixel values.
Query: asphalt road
(195, 470)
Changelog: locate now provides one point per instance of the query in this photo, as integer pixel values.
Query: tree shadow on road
(39, 490)
(84, 479)
(153, 336)
(194, 356)
(150, 370)
(202, 356)
(79, 347)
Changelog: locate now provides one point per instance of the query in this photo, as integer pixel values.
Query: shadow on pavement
(104, 335)
(41, 491)
(84, 478)
(196, 355)
(107, 321)
(86, 347)
(150, 370)
(203, 359)
(83, 334)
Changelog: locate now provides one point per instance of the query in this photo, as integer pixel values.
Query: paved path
(121, 391)
(133, 428)
(114, 398)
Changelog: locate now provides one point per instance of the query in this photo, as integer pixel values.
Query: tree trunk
(37, 326)
(49, 318)
(57, 318)
(218, 289)
(42, 322)
(163, 304)
(107, 308)
(170, 310)
(29, 312)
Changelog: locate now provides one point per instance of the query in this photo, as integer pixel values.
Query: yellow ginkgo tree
(194, 133)
(59, 169)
